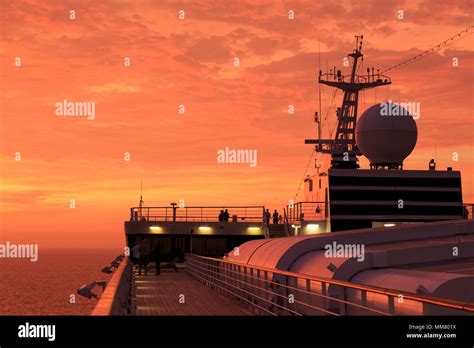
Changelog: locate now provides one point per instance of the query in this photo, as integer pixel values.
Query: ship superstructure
(404, 243)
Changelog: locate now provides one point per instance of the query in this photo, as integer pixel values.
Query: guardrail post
(240, 276)
(207, 274)
(342, 297)
(391, 304)
(363, 297)
(292, 291)
(133, 290)
(308, 289)
(258, 282)
(265, 285)
(324, 293)
(245, 278)
(236, 275)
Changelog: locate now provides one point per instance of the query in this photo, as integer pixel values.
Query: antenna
(343, 148)
(319, 92)
(142, 203)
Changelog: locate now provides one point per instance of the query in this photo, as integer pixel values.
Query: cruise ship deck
(403, 273)
(175, 293)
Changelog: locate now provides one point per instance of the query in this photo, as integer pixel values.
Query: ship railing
(468, 210)
(118, 295)
(196, 214)
(371, 78)
(307, 211)
(286, 223)
(274, 292)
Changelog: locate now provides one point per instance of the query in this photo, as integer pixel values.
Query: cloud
(113, 87)
(190, 63)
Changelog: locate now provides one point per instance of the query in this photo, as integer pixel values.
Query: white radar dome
(386, 134)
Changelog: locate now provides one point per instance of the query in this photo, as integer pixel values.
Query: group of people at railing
(277, 218)
(224, 215)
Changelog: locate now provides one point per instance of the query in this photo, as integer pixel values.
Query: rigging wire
(305, 171)
(313, 151)
(462, 34)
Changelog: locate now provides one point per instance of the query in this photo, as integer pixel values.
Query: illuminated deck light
(205, 229)
(253, 230)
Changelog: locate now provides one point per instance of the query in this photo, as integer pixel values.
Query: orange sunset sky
(190, 62)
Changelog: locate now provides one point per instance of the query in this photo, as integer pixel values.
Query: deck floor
(163, 295)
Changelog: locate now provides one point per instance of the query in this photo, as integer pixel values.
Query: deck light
(253, 230)
(388, 225)
(205, 229)
(155, 229)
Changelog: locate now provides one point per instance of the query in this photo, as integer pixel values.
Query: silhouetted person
(226, 215)
(275, 217)
(267, 217)
(432, 165)
(221, 216)
(280, 219)
(144, 256)
(157, 259)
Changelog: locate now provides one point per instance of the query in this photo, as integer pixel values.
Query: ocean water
(44, 287)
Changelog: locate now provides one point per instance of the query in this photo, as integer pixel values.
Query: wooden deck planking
(160, 295)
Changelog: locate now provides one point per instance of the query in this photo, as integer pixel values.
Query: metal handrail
(468, 210)
(306, 211)
(286, 223)
(196, 213)
(276, 294)
(215, 278)
(231, 266)
(357, 78)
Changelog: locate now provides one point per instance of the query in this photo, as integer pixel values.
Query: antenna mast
(343, 148)
(319, 92)
(142, 203)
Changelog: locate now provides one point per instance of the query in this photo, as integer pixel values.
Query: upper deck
(204, 230)
(198, 220)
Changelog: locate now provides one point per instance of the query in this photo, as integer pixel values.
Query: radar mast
(343, 148)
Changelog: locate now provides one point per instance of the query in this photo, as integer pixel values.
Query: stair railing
(286, 223)
(265, 228)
